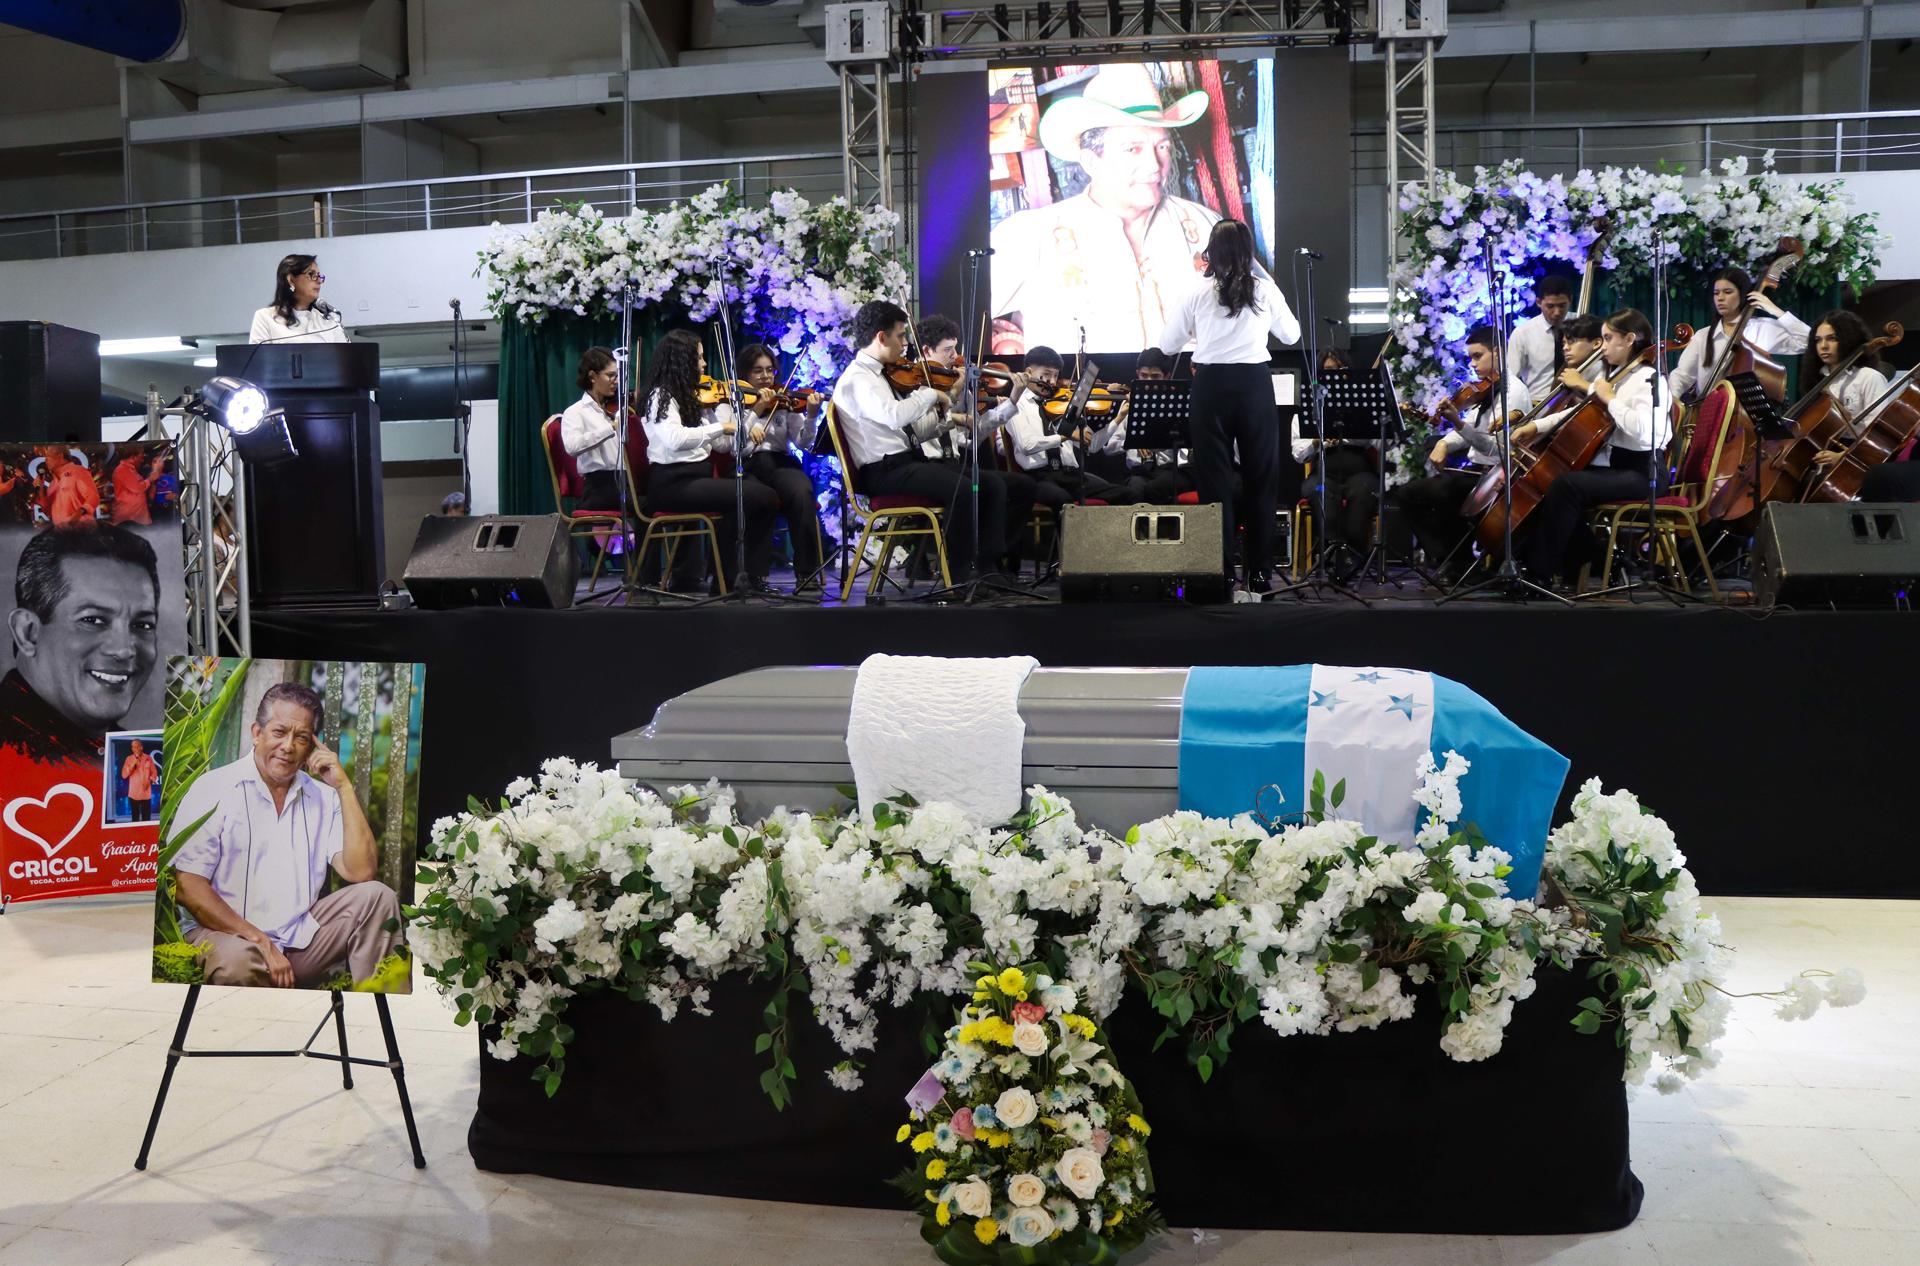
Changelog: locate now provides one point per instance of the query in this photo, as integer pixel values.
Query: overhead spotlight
(259, 432)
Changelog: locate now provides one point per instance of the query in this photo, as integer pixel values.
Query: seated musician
(588, 431)
(1156, 476)
(1432, 504)
(1557, 540)
(1575, 342)
(771, 460)
(940, 342)
(884, 429)
(1351, 475)
(1836, 337)
(681, 441)
(1050, 456)
(1773, 332)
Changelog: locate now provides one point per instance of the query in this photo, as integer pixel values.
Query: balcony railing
(397, 206)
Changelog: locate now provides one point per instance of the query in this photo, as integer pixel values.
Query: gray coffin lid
(1107, 738)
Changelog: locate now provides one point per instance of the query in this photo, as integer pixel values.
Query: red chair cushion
(1712, 416)
(903, 501)
(1095, 501)
(566, 470)
(1187, 499)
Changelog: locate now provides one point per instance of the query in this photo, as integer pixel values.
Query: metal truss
(1097, 28)
(866, 108)
(213, 513)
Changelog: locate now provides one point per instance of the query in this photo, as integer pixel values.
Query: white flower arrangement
(580, 881)
(1440, 290)
(793, 270)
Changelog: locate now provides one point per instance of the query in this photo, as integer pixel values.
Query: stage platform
(1782, 747)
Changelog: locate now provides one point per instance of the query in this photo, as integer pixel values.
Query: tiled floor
(1804, 1146)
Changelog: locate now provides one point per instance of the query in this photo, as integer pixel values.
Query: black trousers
(139, 808)
(1163, 487)
(1233, 404)
(1432, 506)
(691, 487)
(788, 479)
(1020, 492)
(1069, 484)
(910, 476)
(1892, 481)
(1556, 538)
(1353, 493)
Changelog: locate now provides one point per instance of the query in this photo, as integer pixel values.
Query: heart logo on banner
(65, 789)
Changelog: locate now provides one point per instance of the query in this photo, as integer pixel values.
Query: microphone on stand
(976, 254)
(1310, 254)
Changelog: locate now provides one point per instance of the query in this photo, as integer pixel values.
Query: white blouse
(672, 443)
(588, 434)
(1856, 390)
(1220, 339)
(1637, 425)
(308, 327)
(1784, 335)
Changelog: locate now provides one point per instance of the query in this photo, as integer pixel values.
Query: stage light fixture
(259, 432)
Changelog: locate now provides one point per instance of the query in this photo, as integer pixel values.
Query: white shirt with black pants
(1053, 462)
(1432, 503)
(1557, 538)
(883, 433)
(1232, 404)
(680, 480)
(771, 462)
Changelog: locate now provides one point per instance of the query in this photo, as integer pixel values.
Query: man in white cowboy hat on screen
(1116, 258)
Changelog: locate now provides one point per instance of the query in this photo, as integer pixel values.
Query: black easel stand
(337, 1013)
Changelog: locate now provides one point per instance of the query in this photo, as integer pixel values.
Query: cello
(1573, 446)
(1734, 494)
(1818, 422)
(1884, 428)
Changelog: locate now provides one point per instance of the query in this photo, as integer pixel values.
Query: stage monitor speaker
(49, 382)
(494, 560)
(1851, 554)
(1141, 554)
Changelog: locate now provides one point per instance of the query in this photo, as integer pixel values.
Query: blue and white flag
(1242, 729)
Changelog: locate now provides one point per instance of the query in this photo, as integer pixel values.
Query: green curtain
(1689, 300)
(537, 366)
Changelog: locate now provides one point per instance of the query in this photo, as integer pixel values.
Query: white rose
(973, 1198)
(1026, 1189)
(1028, 1227)
(1029, 1039)
(1079, 1169)
(1016, 1108)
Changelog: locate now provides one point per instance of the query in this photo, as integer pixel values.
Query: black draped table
(1370, 1131)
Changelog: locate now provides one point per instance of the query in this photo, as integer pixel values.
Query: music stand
(1158, 413)
(1354, 408)
(1760, 407)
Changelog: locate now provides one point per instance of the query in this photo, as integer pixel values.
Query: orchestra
(1565, 402)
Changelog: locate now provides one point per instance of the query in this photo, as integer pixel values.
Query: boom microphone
(1310, 254)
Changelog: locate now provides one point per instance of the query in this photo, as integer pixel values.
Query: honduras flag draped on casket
(1242, 729)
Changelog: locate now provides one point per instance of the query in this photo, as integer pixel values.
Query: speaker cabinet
(49, 382)
(1849, 554)
(1141, 554)
(495, 560)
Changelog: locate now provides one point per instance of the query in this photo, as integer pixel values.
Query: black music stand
(1355, 409)
(1761, 408)
(1159, 411)
(1361, 401)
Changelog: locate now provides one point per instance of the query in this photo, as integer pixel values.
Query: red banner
(66, 828)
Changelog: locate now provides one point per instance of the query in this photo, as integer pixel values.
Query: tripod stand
(1318, 578)
(743, 589)
(1506, 580)
(975, 586)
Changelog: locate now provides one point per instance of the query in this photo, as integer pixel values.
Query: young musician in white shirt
(1157, 476)
(1229, 323)
(1557, 539)
(940, 343)
(1050, 456)
(1530, 348)
(1432, 503)
(1836, 336)
(297, 314)
(681, 442)
(1352, 476)
(1772, 331)
(883, 431)
(771, 460)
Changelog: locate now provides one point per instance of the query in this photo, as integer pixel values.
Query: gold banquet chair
(1683, 507)
(885, 518)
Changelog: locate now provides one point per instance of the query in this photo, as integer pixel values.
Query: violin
(1101, 403)
(712, 391)
(909, 376)
(1471, 396)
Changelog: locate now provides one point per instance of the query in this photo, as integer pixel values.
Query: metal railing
(1803, 144)
(400, 205)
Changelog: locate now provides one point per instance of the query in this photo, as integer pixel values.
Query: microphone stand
(1507, 580)
(1317, 578)
(742, 589)
(971, 589)
(463, 404)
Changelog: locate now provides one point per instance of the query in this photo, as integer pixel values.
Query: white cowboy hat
(1120, 95)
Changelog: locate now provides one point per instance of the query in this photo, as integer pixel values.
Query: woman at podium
(297, 314)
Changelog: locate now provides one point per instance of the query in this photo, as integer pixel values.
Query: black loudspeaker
(49, 382)
(496, 560)
(1141, 554)
(1855, 554)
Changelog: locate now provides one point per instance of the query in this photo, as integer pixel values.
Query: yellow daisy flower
(985, 1230)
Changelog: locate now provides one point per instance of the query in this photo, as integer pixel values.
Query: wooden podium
(315, 536)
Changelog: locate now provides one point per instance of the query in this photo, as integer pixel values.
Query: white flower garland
(581, 881)
(794, 267)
